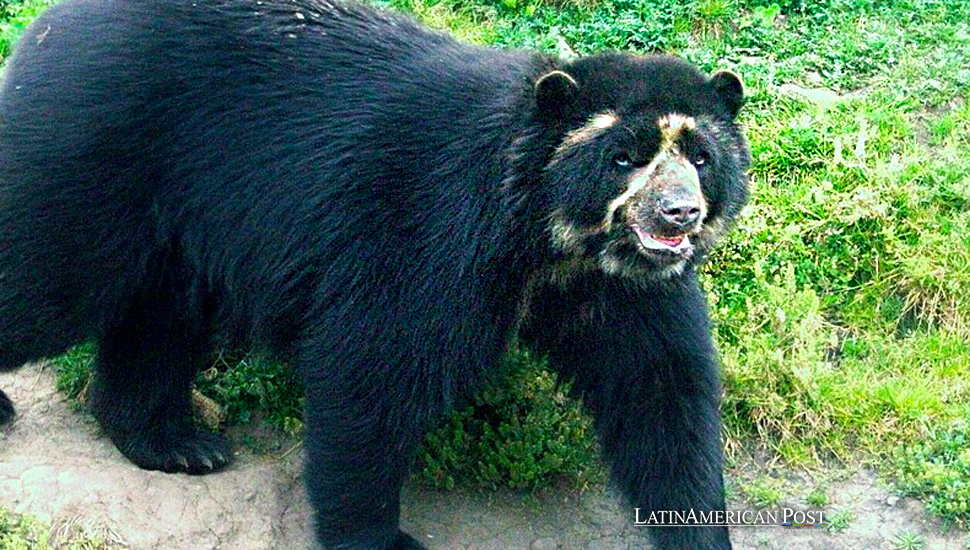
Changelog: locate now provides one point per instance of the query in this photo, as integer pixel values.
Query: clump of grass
(840, 520)
(521, 432)
(21, 532)
(937, 469)
(763, 491)
(250, 387)
(74, 370)
(908, 540)
(713, 18)
(817, 497)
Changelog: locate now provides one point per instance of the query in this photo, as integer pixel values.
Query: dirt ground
(55, 465)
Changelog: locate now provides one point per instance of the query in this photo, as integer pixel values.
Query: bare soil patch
(54, 464)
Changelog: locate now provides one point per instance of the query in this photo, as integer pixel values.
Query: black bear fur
(379, 205)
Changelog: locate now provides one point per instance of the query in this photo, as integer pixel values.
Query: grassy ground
(26, 533)
(842, 300)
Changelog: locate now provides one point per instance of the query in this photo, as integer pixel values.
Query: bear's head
(648, 170)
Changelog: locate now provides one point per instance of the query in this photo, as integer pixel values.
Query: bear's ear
(727, 86)
(556, 94)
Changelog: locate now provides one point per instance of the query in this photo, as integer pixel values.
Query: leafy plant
(937, 469)
(521, 432)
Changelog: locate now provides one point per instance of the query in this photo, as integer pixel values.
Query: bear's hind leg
(359, 440)
(141, 391)
(32, 326)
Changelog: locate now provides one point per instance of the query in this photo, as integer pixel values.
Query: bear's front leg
(641, 356)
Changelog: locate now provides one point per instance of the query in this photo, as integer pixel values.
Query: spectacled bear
(384, 208)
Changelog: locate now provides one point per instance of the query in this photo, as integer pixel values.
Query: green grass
(15, 15)
(839, 520)
(521, 432)
(937, 469)
(817, 498)
(763, 491)
(18, 532)
(908, 540)
(841, 302)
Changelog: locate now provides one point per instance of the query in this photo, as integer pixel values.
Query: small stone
(543, 544)
(892, 500)
(814, 78)
(819, 96)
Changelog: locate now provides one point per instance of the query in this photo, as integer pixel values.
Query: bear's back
(222, 129)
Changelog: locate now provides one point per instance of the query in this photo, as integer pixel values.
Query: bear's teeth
(656, 242)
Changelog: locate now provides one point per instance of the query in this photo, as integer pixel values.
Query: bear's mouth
(653, 243)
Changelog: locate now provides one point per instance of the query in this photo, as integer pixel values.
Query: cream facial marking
(594, 127)
(604, 120)
(671, 126)
(669, 162)
(669, 158)
(636, 185)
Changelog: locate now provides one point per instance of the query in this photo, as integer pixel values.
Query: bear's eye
(700, 158)
(622, 160)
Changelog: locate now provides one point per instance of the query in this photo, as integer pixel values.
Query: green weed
(521, 432)
(18, 532)
(937, 469)
(250, 387)
(817, 497)
(908, 540)
(763, 491)
(840, 520)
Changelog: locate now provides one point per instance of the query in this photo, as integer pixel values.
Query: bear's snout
(679, 210)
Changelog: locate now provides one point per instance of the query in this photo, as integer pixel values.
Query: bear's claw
(196, 452)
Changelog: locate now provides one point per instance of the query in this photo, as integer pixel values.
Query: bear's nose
(680, 212)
